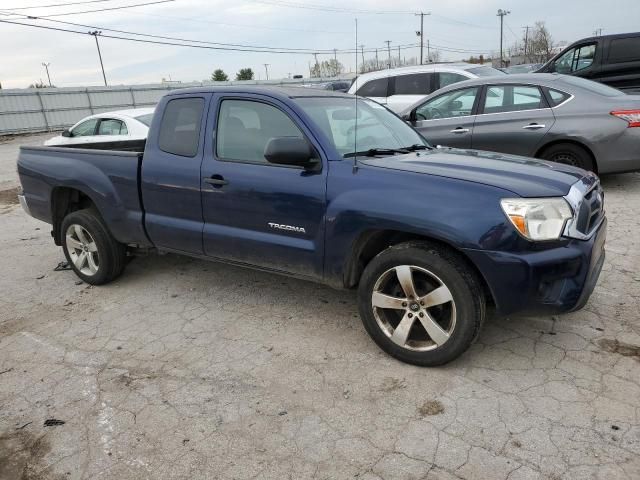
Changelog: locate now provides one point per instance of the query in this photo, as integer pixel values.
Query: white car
(107, 127)
(398, 88)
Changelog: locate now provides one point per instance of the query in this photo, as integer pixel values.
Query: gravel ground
(185, 369)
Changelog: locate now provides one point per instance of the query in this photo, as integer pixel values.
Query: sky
(466, 26)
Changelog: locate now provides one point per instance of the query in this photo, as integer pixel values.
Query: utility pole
(335, 63)
(502, 14)
(388, 42)
(377, 65)
(362, 50)
(317, 67)
(46, 66)
(266, 69)
(421, 34)
(526, 40)
(95, 33)
(399, 56)
(428, 51)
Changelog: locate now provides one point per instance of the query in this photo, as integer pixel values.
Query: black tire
(569, 154)
(467, 307)
(110, 255)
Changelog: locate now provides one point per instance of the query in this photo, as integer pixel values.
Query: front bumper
(556, 280)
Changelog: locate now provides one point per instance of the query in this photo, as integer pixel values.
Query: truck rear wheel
(421, 304)
(92, 252)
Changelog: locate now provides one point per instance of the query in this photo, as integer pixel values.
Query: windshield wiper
(416, 146)
(372, 152)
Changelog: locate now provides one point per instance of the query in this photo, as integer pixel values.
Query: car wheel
(92, 252)
(569, 154)
(421, 304)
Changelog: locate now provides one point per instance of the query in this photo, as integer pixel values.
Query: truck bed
(111, 178)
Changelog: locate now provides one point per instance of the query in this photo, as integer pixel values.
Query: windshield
(146, 119)
(485, 71)
(377, 128)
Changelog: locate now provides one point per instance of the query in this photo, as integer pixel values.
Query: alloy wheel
(414, 308)
(82, 249)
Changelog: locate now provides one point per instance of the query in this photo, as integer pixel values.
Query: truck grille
(591, 210)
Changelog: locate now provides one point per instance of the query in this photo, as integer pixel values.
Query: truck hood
(526, 177)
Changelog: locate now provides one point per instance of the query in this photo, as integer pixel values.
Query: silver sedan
(555, 117)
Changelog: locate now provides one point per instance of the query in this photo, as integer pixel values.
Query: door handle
(534, 126)
(216, 180)
(459, 130)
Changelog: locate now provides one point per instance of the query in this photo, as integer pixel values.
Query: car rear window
(180, 127)
(485, 71)
(146, 119)
(591, 86)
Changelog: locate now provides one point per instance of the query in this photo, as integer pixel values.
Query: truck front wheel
(92, 252)
(421, 304)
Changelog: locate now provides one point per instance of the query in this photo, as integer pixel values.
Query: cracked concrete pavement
(185, 369)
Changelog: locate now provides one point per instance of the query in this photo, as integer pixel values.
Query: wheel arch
(65, 200)
(372, 242)
(570, 141)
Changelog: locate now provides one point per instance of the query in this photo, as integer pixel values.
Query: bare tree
(540, 47)
(434, 56)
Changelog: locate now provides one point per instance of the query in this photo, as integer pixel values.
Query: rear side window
(624, 50)
(414, 84)
(512, 98)
(180, 127)
(110, 126)
(447, 78)
(557, 97)
(374, 88)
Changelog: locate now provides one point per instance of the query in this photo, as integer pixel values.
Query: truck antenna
(355, 128)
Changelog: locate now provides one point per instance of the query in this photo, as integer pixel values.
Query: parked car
(397, 88)
(119, 126)
(335, 86)
(524, 68)
(610, 59)
(335, 189)
(555, 117)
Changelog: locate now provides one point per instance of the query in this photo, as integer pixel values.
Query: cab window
(180, 126)
(458, 103)
(245, 128)
(512, 98)
(576, 59)
(374, 88)
(86, 128)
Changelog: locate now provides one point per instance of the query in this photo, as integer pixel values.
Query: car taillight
(631, 116)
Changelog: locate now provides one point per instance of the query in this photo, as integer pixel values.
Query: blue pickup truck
(335, 189)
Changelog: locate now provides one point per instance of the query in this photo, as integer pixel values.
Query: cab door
(171, 174)
(255, 212)
(448, 119)
(512, 119)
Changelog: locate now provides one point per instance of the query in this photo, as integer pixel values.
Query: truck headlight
(537, 218)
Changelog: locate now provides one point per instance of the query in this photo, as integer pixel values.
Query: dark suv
(611, 59)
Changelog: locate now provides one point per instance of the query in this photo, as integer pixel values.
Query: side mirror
(293, 151)
(411, 116)
(67, 133)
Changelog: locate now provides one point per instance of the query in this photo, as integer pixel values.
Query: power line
(327, 8)
(57, 5)
(104, 9)
(206, 47)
